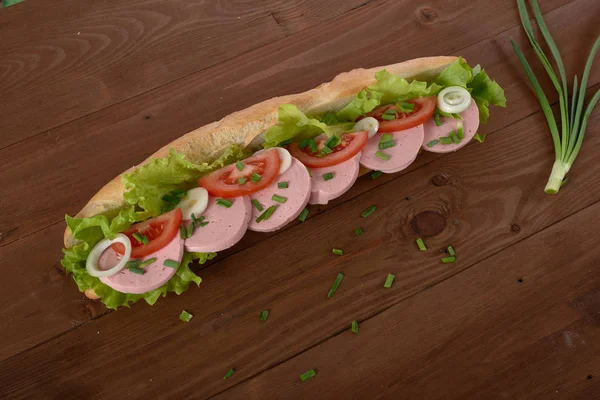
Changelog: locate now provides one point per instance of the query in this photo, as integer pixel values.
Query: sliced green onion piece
(190, 230)
(257, 204)
(264, 314)
(138, 271)
(327, 176)
(141, 239)
(451, 251)
(147, 262)
(386, 137)
(368, 211)
(432, 143)
(203, 224)
(285, 143)
(386, 145)
(447, 260)
(460, 131)
(185, 316)
(183, 232)
(358, 231)
(224, 203)
(312, 146)
(239, 165)
(179, 193)
(388, 117)
(446, 140)
(133, 264)
(255, 177)
(454, 138)
(338, 252)
(242, 180)
(307, 375)
(479, 137)
(388, 281)
(421, 244)
(279, 199)
(282, 185)
(324, 151)
(354, 326)
(391, 111)
(405, 104)
(229, 374)
(171, 264)
(169, 198)
(376, 174)
(266, 215)
(437, 119)
(332, 142)
(303, 144)
(336, 285)
(197, 221)
(303, 215)
(381, 155)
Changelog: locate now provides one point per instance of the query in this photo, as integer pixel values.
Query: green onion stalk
(573, 122)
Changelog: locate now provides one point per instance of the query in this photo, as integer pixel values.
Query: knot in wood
(427, 15)
(515, 228)
(428, 223)
(439, 180)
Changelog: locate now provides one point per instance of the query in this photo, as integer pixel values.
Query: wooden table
(88, 89)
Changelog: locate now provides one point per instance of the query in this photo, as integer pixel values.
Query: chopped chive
(432, 143)
(257, 204)
(324, 151)
(405, 104)
(264, 314)
(190, 230)
(169, 198)
(224, 203)
(368, 211)
(388, 281)
(338, 252)
(479, 138)
(386, 137)
(303, 215)
(307, 375)
(354, 326)
(266, 215)
(229, 374)
(138, 271)
(437, 119)
(255, 177)
(358, 231)
(382, 155)
(391, 111)
(203, 224)
(312, 145)
(376, 174)
(185, 316)
(388, 117)
(447, 260)
(460, 131)
(451, 251)
(179, 193)
(239, 165)
(279, 199)
(282, 185)
(171, 264)
(327, 176)
(386, 145)
(303, 144)
(133, 264)
(455, 138)
(197, 221)
(242, 180)
(183, 232)
(446, 140)
(147, 262)
(336, 285)
(421, 244)
(285, 143)
(332, 142)
(141, 239)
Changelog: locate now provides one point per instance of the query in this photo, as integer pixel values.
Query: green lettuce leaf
(293, 124)
(486, 92)
(459, 73)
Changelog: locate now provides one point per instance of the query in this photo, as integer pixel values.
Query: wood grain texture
(83, 57)
(147, 122)
(481, 334)
(483, 210)
(75, 311)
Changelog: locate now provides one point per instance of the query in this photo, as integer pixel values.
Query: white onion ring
(285, 159)
(92, 261)
(369, 124)
(454, 100)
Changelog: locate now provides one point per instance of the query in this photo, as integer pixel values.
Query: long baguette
(247, 127)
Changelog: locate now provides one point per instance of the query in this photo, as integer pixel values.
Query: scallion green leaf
(336, 285)
(358, 231)
(446, 140)
(447, 260)
(239, 165)
(386, 145)
(368, 211)
(255, 177)
(264, 314)
(242, 180)
(303, 215)
(229, 374)
(388, 281)
(451, 251)
(307, 375)
(421, 244)
(382, 155)
(147, 262)
(171, 264)
(279, 199)
(282, 185)
(327, 176)
(376, 174)
(354, 326)
(185, 316)
(338, 252)
(257, 204)
(224, 203)
(432, 143)
(267, 214)
(388, 117)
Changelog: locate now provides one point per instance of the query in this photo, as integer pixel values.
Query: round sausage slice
(343, 176)
(296, 197)
(407, 145)
(470, 121)
(226, 226)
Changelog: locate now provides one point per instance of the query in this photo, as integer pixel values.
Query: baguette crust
(247, 127)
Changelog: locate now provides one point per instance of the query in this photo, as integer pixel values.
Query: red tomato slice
(422, 111)
(351, 145)
(225, 182)
(159, 231)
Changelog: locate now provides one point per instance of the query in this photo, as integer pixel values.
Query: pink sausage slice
(156, 274)
(226, 226)
(408, 143)
(344, 176)
(470, 120)
(297, 194)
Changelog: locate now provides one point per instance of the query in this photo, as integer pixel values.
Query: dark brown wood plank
(493, 197)
(60, 319)
(149, 121)
(482, 334)
(82, 57)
